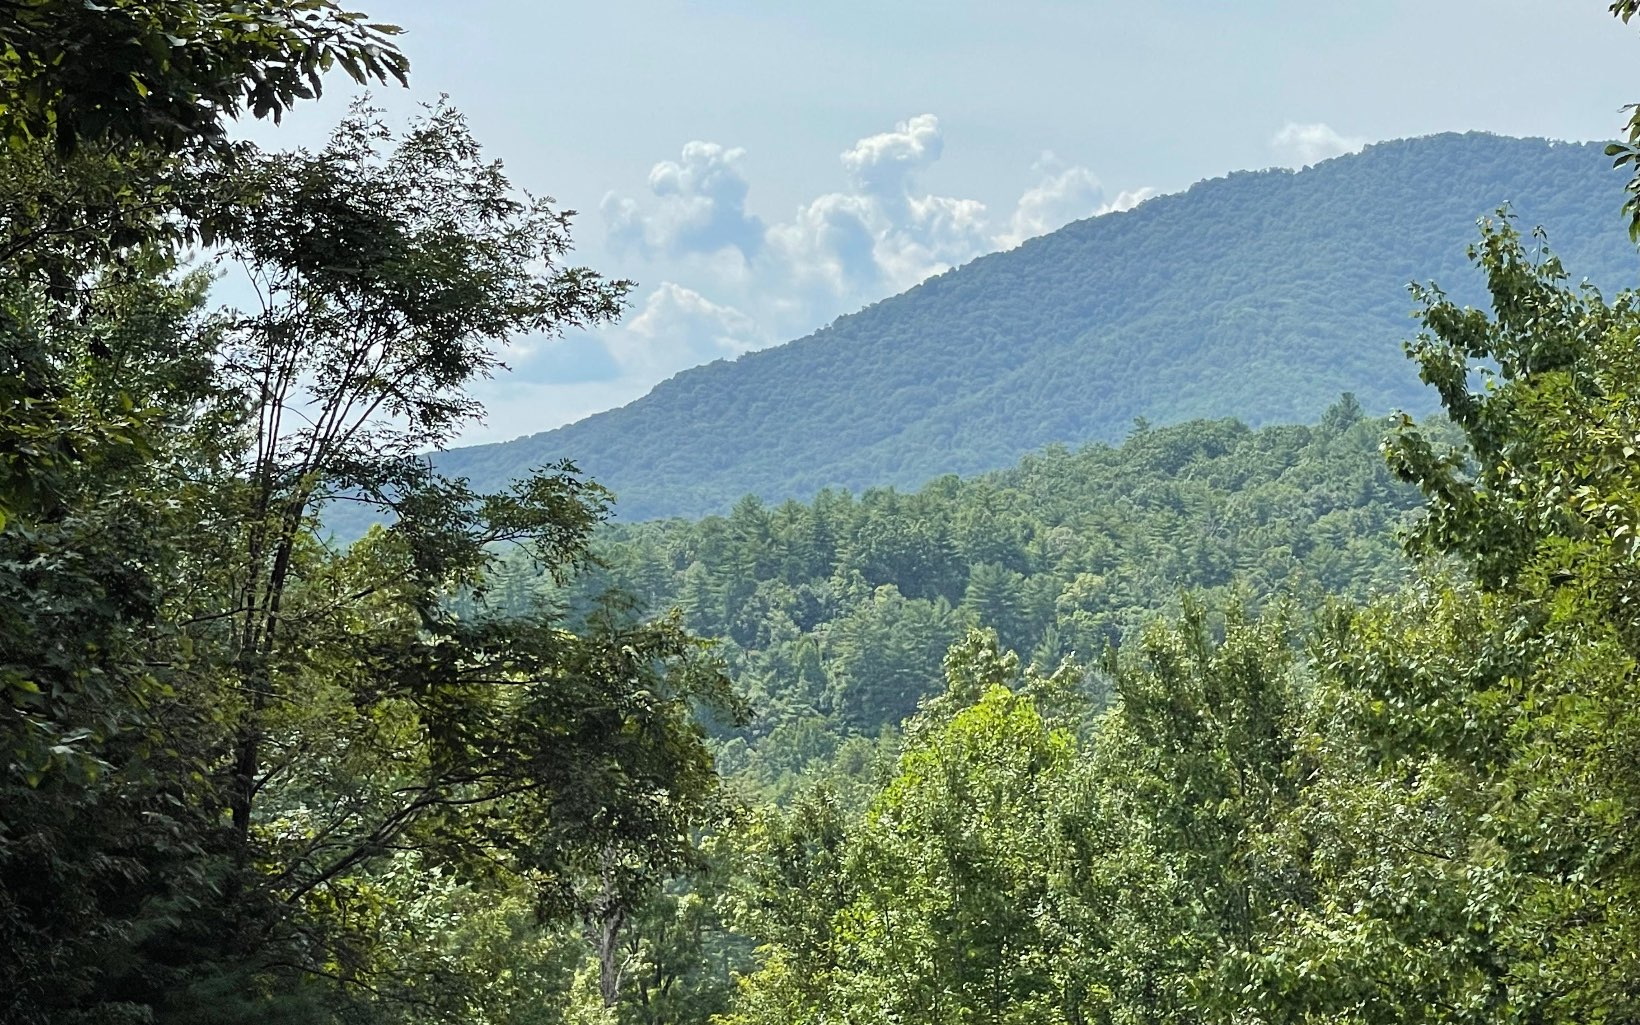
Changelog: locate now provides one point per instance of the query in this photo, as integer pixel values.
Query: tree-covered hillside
(1262, 296)
(835, 615)
(1322, 724)
(1419, 808)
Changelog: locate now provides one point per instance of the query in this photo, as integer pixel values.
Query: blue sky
(761, 168)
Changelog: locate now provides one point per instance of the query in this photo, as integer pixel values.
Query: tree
(995, 598)
(1540, 502)
(791, 881)
(1628, 152)
(385, 281)
(882, 657)
(1469, 828)
(113, 117)
(1196, 769)
(103, 821)
(168, 75)
(1409, 896)
(933, 905)
(242, 743)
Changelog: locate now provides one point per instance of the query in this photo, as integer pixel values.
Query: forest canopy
(1325, 722)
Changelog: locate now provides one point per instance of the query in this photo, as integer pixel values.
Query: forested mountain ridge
(1377, 763)
(1262, 295)
(835, 615)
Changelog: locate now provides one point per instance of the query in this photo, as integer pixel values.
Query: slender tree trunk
(609, 967)
(608, 915)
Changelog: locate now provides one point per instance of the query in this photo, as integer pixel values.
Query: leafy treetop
(166, 74)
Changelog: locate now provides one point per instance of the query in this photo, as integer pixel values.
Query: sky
(761, 168)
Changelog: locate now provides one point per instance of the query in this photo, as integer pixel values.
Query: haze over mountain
(1261, 295)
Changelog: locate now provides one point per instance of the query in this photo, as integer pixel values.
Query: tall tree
(234, 746)
(1541, 503)
(114, 118)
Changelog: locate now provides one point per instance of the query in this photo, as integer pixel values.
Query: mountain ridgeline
(1262, 295)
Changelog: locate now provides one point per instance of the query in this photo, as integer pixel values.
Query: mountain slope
(1262, 295)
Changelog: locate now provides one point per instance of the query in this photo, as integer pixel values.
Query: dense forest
(1262, 296)
(1215, 722)
(835, 615)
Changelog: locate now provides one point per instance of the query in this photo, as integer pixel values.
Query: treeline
(1418, 807)
(835, 615)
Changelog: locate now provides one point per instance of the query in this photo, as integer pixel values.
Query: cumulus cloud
(884, 164)
(829, 244)
(884, 233)
(1126, 200)
(1063, 195)
(678, 328)
(860, 248)
(565, 379)
(731, 281)
(1303, 145)
(881, 233)
(937, 233)
(699, 206)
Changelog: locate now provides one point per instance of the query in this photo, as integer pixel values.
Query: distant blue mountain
(1262, 295)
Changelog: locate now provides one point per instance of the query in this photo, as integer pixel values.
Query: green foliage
(1628, 151)
(1409, 896)
(115, 158)
(931, 908)
(250, 777)
(1418, 807)
(835, 616)
(1000, 772)
(168, 75)
(1546, 474)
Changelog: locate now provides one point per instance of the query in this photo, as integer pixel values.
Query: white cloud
(836, 252)
(1061, 197)
(884, 164)
(937, 233)
(861, 246)
(1064, 194)
(1303, 145)
(674, 328)
(699, 206)
(885, 235)
(731, 282)
(1127, 200)
(678, 328)
(830, 244)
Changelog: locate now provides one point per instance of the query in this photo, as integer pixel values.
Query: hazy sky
(763, 167)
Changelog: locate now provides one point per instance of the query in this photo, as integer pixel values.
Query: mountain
(1261, 295)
